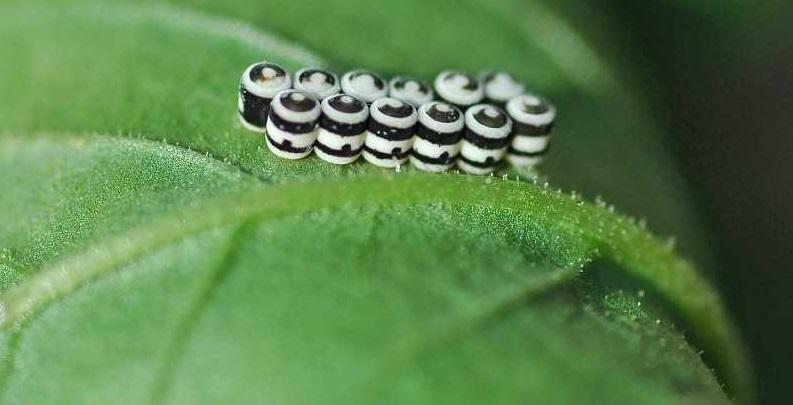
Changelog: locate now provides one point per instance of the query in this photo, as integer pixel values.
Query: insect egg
(438, 137)
(364, 85)
(459, 89)
(319, 83)
(500, 87)
(259, 83)
(533, 120)
(292, 124)
(389, 136)
(485, 139)
(342, 129)
(410, 90)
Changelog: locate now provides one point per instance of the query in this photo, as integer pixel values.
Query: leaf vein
(184, 330)
(626, 244)
(407, 354)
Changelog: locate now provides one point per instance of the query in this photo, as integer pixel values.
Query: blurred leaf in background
(720, 73)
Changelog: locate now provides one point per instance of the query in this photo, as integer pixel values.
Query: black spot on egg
(263, 72)
(310, 75)
(443, 113)
(298, 102)
(346, 104)
(396, 109)
(471, 84)
(401, 83)
(491, 117)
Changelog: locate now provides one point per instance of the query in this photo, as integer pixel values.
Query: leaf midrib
(186, 326)
(620, 240)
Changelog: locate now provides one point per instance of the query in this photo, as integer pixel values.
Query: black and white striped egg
(319, 83)
(500, 87)
(459, 89)
(438, 137)
(342, 129)
(389, 136)
(533, 119)
(292, 124)
(410, 90)
(485, 139)
(259, 83)
(364, 85)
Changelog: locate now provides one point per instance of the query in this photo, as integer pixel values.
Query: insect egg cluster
(474, 123)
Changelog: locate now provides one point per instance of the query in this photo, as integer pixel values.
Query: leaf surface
(178, 261)
(605, 145)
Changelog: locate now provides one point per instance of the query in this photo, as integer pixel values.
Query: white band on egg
(335, 141)
(353, 83)
(524, 161)
(341, 116)
(319, 90)
(410, 90)
(516, 107)
(298, 141)
(431, 150)
(438, 126)
(483, 130)
(477, 154)
(530, 144)
(391, 121)
(295, 116)
(500, 86)
(449, 85)
(469, 168)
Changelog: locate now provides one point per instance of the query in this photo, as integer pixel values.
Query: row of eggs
(391, 123)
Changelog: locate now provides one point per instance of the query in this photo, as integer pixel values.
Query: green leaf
(181, 262)
(605, 144)
(228, 281)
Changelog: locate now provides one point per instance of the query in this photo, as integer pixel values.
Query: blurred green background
(722, 78)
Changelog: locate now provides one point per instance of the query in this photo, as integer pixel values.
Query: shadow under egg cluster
(473, 123)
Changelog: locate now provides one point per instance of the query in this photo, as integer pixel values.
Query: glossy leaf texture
(152, 247)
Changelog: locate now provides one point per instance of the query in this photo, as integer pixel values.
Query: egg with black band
(364, 85)
(259, 83)
(533, 119)
(410, 90)
(292, 124)
(389, 136)
(438, 140)
(459, 89)
(342, 129)
(485, 139)
(319, 83)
